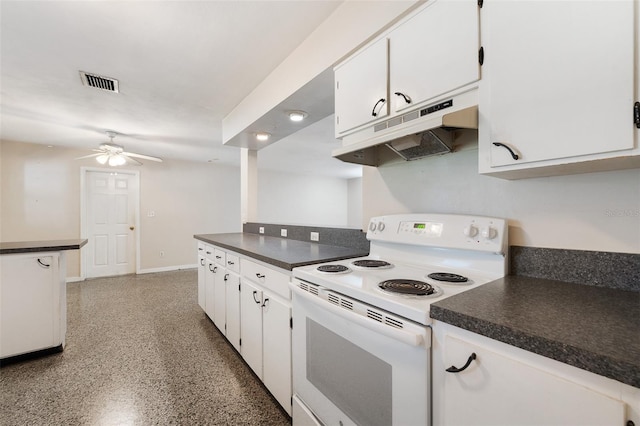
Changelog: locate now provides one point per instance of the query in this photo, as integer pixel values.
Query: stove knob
(470, 231)
(372, 226)
(489, 233)
(381, 226)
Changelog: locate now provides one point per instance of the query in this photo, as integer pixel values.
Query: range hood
(416, 134)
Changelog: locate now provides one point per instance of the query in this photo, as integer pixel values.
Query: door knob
(132, 228)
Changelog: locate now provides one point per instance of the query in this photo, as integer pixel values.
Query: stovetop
(416, 245)
(363, 285)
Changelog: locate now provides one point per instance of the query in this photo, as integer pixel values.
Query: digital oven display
(426, 229)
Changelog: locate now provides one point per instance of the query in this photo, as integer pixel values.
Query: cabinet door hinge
(240, 342)
(238, 287)
(480, 3)
(291, 323)
(636, 114)
(337, 85)
(481, 55)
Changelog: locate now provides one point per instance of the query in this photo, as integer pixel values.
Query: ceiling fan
(115, 155)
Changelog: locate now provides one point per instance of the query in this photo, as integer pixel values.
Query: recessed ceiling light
(297, 115)
(262, 136)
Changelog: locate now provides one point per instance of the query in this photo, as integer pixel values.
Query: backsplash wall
(593, 211)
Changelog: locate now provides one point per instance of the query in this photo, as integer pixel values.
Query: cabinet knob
(454, 369)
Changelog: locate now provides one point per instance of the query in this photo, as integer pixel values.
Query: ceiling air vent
(99, 82)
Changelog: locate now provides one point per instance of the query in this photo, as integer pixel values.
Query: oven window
(354, 380)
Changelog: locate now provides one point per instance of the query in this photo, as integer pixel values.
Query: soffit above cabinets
(316, 98)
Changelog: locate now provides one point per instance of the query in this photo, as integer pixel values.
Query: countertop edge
(270, 260)
(43, 246)
(621, 371)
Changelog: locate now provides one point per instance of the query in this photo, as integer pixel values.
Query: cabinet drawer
(233, 262)
(269, 278)
(498, 389)
(208, 252)
(220, 257)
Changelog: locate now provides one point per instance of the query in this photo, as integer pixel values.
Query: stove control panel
(441, 230)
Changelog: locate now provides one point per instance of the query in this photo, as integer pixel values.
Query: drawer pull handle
(218, 257)
(226, 277)
(44, 265)
(254, 297)
(259, 275)
(210, 265)
(202, 262)
(454, 369)
(230, 262)
(266, 299)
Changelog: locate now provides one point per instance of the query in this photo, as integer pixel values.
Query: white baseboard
(167, 269)
(74, 279)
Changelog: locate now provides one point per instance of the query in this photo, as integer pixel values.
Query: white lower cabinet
(232, 325)
(505, 385)
(266, 327)
(202, 267)
(209, 283)
(253, 312)
(32, 302)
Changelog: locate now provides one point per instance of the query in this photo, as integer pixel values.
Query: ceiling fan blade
(146, 157)
(89, 156)
(126, 156)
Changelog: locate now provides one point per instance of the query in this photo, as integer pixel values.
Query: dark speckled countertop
(39, 246)
(281, 252)
(593, 328)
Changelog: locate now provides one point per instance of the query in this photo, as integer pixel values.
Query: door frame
(83, 212)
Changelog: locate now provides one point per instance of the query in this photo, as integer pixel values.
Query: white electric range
(361, 335)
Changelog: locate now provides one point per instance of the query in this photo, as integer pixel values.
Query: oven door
(355, 364)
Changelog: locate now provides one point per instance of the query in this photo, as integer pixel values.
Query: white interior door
(110, 211)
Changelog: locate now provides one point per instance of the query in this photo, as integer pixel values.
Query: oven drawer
(273, 280)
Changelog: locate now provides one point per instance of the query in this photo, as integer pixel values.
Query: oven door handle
(403, 335)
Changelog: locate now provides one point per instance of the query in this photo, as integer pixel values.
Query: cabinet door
(361, 83)
(233, 309)
(202, 274)
(209, 289)
(499, 390)
(29, 301)
(220, 298)
(276, 328)
(434, 52)
(558, 80)
(251, 325)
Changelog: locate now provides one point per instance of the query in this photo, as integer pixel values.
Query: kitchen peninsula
(33, 296)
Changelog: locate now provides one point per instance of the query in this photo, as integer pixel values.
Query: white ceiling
(181, 65)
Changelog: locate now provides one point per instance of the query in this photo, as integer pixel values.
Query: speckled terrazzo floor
(139, 351)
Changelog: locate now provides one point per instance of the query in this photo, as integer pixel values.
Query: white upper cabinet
(558, 86)
(431, 52)
(434, 52)
(361, 88)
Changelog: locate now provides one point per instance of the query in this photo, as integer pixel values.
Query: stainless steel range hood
(416, 134)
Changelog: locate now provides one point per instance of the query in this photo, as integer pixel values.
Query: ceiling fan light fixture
(102, 159)
(116, 160)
